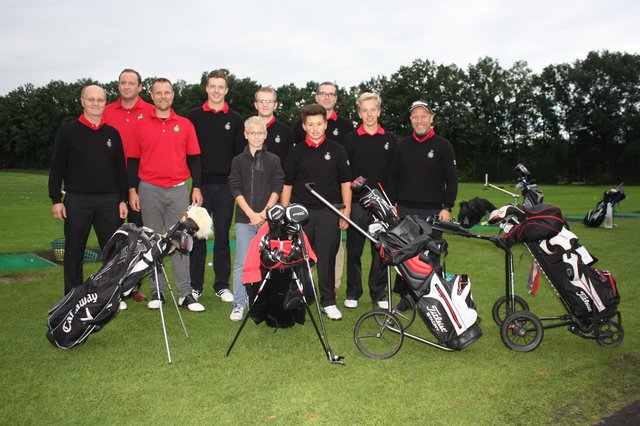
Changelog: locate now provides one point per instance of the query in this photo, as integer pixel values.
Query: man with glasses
(255, 183)
(220, 134)
(370, 149)
(279, 135)
(337, 126)
(89, 158)
(123, 114)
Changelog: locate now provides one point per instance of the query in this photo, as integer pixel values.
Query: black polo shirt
(326, 165)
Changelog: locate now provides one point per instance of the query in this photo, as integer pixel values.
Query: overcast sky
(279, 42)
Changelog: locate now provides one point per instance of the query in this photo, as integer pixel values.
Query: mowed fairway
(121, 376)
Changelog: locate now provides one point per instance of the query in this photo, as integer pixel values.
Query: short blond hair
(255, 121)
(369, 96)
(267, 89)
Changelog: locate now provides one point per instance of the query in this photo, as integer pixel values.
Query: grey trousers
(162, 208)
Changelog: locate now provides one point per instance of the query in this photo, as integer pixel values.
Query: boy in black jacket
(255, 183)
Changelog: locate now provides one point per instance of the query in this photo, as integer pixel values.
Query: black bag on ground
(402, 242)
(594, 218)
(472, 211)
(269, 307)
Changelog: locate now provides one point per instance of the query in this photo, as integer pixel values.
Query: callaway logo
(436, 318)
(89, 298)
(585, 300)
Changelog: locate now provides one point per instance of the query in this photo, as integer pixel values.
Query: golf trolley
(283, 245)
(131, 254)
(442, 300)
(589, 295)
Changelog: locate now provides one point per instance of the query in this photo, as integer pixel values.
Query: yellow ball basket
(57, 246)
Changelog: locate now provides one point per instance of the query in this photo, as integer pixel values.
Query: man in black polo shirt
(220, 134)
(88, 156)
(423, 178)
(370, 149)
(324, 162)
(279, 135)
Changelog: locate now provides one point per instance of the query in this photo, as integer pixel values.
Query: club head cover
(297, 214)
(201, 217)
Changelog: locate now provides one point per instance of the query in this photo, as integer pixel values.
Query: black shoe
(190, 302)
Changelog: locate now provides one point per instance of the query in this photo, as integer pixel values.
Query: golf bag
(590, 294)
(472, 211)
(87, 308)
(444, 301)
(128, 256)
(277, 248)
(610, 198)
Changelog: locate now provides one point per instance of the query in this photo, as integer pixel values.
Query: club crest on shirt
(277, 139)
(227, 126)
(327, 156)
(140, 116)
(336, 132)
(109, 143)
(430, 154)
(386, 146)
(176, 128)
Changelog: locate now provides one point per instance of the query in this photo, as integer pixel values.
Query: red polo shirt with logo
(162, 147)
(123, 119)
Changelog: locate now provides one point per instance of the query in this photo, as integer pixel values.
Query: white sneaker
(190, 301)
(225, 295)
(236, 313)
(332, 312)
(383, 304)
(350, 303)
(156, 301)
(123, 305)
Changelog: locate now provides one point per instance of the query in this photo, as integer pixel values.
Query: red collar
(362, 131)
(224, 109)
(273, 120)
(138, 105)
(312, 144)
(333, 116)
(171, 116)
(89, 124)
(431, 133)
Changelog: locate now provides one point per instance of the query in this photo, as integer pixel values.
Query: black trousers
(84, 211)
(219, 203)
(355, 247)
(400, 286)
(324, 236)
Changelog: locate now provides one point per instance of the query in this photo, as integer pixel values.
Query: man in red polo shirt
(164, 153)
(123, 114)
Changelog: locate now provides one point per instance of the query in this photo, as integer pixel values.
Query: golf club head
(335, 359)
(297, 214)
(522, 170)
(358, 184)
(275, 213)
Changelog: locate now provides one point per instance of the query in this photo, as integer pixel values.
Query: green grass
(120, 376)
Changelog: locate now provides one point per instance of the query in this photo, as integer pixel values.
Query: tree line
(577, 122)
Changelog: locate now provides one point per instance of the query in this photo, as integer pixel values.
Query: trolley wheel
(378, 334)
(521, 331)
(609, 334)
(501, 308)
(407, 315)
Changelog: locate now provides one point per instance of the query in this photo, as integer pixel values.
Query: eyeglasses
(331, 95)
(256, 134)
(93, 100)
(265, 101)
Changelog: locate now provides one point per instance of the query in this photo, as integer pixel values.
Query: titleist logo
(436, 318)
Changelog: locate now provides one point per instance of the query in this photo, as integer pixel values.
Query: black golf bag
(444, 301)
(87, 308)
(128, 257)
(610, 198)
(590, 294)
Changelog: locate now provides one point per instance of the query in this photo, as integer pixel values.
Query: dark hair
(311, 110)
(218, 74)
(132, 71)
